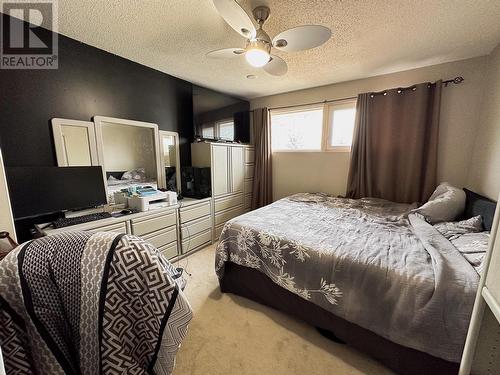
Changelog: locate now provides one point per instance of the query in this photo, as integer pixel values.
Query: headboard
(117, 175)
(476, 204)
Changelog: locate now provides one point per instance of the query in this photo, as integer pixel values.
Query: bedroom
(217, 164)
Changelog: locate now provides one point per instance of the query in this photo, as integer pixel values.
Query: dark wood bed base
(252, 284)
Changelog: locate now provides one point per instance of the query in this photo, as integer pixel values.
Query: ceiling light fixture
(258, 53)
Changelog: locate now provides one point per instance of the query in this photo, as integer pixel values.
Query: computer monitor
(37, 191)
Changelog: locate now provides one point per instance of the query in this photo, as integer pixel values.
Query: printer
(146, 199)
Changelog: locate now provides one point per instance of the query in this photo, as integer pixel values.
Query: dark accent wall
(88, 82)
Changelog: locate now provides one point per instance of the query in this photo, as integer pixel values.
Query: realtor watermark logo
(29, 44)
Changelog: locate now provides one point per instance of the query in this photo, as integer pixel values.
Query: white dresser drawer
(218, 231)
(118, 228)
(162, 237)
(153, 223)
(228, 202)
(222, 217)
(194, 242)
(249, 155)
(249, 168)
(170, 250)
(194, 211)
(196, 226)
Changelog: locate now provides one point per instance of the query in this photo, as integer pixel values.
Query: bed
(82, 302)
(371, 272)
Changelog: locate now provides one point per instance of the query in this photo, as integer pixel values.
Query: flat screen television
(219, 116)
(38, 191)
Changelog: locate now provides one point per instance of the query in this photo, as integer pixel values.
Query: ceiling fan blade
(276, 66)
(226, 53)
(302, 37)
(236, 17)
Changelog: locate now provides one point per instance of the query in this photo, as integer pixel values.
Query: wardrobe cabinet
(230, 178)
(227, 168)
(220, 169)
(237, 175)
(249, 172)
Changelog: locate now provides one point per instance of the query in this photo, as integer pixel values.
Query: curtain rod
(313, 103)
(456, 81)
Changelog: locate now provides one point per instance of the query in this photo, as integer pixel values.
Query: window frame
(340, 104)
(302, 108)
(217, 128)
(325, 128)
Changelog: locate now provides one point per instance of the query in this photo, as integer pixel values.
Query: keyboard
(66, 222)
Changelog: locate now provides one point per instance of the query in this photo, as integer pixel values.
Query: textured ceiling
(370, 37)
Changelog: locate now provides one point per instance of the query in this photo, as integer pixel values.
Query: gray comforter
(84, 303)
(366, 261)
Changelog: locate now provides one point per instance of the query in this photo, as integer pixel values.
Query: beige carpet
(233, 335)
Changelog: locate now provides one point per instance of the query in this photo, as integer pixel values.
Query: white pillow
(445, 204)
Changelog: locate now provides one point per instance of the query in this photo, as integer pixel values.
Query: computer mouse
(126, 212)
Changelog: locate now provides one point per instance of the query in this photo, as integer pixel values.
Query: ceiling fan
(258, 47)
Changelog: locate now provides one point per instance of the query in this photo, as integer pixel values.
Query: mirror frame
(165, 133)
(99, 122)
(57, 124)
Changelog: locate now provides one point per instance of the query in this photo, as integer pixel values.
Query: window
(226, 130)
(219, 130)
(328, 127)
(298, 129)
(340, 125)
(207, 131)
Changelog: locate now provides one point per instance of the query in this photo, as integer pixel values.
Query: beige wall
(6, 223)
(484, 169)
(295, 172)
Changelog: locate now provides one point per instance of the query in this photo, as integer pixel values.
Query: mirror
(128, 151)
(74, 142)
(169, 150)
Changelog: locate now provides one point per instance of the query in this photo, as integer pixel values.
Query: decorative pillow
(138, 174)
(445, 204)
(454, 229)
(473, 247)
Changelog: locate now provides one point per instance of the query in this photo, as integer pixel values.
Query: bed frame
(253, 284)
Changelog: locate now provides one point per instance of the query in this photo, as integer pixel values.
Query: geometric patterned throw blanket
(90, 303)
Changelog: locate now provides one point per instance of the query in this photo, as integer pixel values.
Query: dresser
(175, 230)
(196, 224)
(232, 178)
(158, 227)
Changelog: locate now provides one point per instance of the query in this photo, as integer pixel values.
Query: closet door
(237, 169)
(220, 170)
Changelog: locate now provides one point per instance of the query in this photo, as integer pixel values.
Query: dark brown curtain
(262, 179)
(394, 152)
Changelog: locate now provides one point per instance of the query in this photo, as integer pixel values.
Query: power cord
(185, 268)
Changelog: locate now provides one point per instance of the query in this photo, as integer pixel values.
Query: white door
(237, 170)
(220, 162)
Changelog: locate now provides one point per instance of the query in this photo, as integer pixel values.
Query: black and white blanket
(90, 303)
